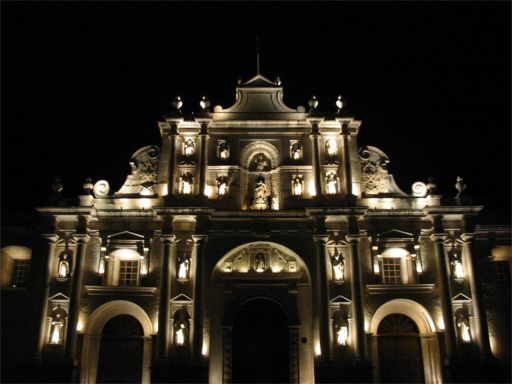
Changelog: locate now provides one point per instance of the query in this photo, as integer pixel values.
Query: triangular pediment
(340, 299)
(59, 297)
(460, 297)
(181, 298)
(394, 234)
(259, 81)
(126, 235)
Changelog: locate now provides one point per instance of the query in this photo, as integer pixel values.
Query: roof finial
(257, 55)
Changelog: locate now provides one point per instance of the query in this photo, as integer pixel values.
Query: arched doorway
(260, 344)
(399, 346)
(121, 350)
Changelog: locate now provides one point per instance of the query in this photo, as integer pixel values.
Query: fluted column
(445, 295)
(482, 331)
(357, 297)
(202, 162)
(197, 345)
(52, 244)
(323, 295)
(346, 166)
(75, 296)
(168, 242)
(316, 158)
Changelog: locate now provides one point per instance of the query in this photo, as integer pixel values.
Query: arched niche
(94, 328)
(256, 147)
(427, 331)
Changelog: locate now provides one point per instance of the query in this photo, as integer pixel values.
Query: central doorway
(260, 342)
(121, 349)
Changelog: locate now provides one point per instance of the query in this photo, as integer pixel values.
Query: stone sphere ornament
(177, 103)
(313, 102)
(419, 189)
(101, 188)
(340, 103)
(204, 103)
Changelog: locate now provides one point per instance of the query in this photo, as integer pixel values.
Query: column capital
(438, 237)
(467, 237)
(169, 239)
(321, 239)
(199, 239)
(81, 237)
(51, 237)
(353, 238)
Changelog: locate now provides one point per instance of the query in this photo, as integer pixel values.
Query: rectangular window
(502, 273)
(129, 273)
(20, 272)
(391, 272)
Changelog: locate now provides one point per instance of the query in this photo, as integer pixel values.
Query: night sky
(83, 84)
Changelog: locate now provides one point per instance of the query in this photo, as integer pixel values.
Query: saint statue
(338, 266)
(57, 329)
(260, 195)
(186, 183)
(331, 183)
(458, 269)
(259, 262)
(261, 162)
(189, 147)
(180, 333)
(297, 186)
(222, 186)
(341, 335)
(224, 151)
(330, 147)
(183, 267)
(63, 268)
(463, 324)
(295, 150)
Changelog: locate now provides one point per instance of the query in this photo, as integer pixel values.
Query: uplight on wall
(311, 188)
(80, 326)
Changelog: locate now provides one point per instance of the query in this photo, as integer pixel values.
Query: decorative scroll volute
(144, 163)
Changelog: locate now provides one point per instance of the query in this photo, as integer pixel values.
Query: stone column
(75, 296)
(197, 345)
(203, 136)
(172, 157)
(482, 331)
(47, 278)
(357, 297)
(323, 295)
(346, 166)
(450, 335)
(168, 242)
(316, 159)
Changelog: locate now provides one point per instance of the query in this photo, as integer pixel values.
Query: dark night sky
(83, 84)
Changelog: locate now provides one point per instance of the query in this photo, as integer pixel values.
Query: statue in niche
(297, 186)
(188, 147)
(341, 334)
(222, 185)
(183, 266)
(338, 266)
(457, 267)
(260, 199)
(261, 163)
(330, 147)
(259, 262)
(63, 269)
(180, 332)
(224, 150)
(186, 180)
(295, 151)
(463, 325)
(56, 332)
(331, 183)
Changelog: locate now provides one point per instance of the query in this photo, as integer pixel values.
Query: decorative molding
(107, 290)
(380, 289)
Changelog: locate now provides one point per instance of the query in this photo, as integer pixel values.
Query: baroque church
(258, 243)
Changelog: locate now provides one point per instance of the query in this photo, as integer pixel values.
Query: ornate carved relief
(144, 164)
(260, 258)
(375, 178)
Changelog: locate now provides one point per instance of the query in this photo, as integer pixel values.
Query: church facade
(261, 243)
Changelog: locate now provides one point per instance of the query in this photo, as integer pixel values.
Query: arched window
(15, 266)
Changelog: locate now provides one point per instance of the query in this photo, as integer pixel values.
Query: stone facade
(260, 203)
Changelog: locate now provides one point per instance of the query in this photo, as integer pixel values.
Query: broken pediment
(142, 179)
(126, 235)
(394, 234)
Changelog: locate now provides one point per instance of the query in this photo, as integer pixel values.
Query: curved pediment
(258, 99)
